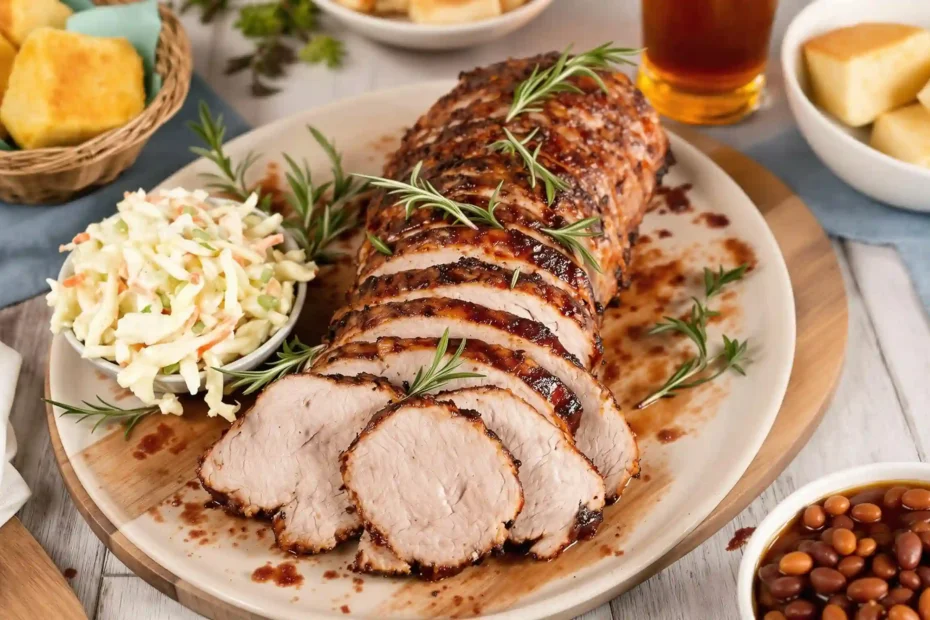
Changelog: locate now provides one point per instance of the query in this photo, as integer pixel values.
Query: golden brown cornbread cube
(904, 134)
(7, 54)
(509, 5)
(20, 17)
(924, 96)
(68, 87)
(453, 11)
(392, 7)
(861, 71)
(362, 6)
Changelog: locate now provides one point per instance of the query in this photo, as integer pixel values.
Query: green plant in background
(283, 31)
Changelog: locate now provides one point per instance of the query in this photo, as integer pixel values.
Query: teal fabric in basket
(30, 235)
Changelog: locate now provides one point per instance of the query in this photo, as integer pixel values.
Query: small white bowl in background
(844, 150)
(175, 383)
(401, 32)
(816, 491)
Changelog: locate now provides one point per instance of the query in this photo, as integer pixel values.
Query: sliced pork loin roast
(529, 297)
(564, 494)
(433, 485)
(603, 436)
(398, 359)
(509, 249)
(281, 458)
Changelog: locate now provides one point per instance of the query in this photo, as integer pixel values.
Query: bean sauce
(863, 553)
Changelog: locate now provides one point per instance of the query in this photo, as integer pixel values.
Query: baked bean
(800, 610)
(824, 554)
(898, 596)
(866, 547)
(920, 526)
(861, 590)
(902, 612)
(833, 612)
(844, 541)
(923, 605)
(872, 496)
(788, 587)
(881, 533)
(827, 580)
(769, 573)
(883, 566)
(924, 573)
(799, 563)
(814, 517)
(908, 549)
(909, 579)
(827, 535)
(765, 597)
(872, 611)
(925, 540)
(851, 566)
(840, 600)
(892, 499)
(866, 513)
(842, 521)
(917, 516)
(916, 499)
(836, 505)
(774, 615)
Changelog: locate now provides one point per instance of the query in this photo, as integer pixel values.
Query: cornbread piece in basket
(904, 134)
(7, 55)
(864, 70)
(68, 87)
(20, 17)
(452, 11)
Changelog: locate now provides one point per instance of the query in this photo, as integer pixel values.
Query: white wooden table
(880, 412)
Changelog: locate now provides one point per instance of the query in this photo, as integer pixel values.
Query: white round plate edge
(583, 595)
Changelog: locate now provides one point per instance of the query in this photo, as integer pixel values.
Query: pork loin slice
(281, 458)
(529, 297)
(398, 359)
(603, 436)
(509, 249)
(432, 483)
(376, 558)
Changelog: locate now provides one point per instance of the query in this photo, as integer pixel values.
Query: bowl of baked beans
(854, 545)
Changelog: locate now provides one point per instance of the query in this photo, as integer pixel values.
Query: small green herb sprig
(542, 84)
(275, 28)
(419, 193)
(570, 237)
(294, 357)
(105, 413)
(439, 373)
(703, 367)
(512, 145)
(379, 245)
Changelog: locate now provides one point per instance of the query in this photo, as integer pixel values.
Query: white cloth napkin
(13, 489)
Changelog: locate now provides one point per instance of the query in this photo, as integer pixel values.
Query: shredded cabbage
(178, 281)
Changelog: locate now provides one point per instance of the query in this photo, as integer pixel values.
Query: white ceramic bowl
(817, 490)
(846, 151)
(401, 32)
(175, 383)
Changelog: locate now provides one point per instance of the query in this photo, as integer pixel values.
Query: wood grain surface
(821, 309)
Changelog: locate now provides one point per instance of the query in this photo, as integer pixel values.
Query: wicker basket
(53, 175)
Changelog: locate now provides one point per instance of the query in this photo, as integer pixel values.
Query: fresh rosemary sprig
(294, 357)
(542, 84)
(106, 413)
(379, 245)
(512, 145)
(440, 374)
(515, 278)
(231, 178)
(420, 194)
(569, 236)
(701, 368)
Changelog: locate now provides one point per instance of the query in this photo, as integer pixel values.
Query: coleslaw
(175, 283)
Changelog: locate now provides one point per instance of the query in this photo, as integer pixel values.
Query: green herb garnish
(293, 358)
(439, 374)
(569, 236)
(512, 145)
(106, 413)
(379, 245)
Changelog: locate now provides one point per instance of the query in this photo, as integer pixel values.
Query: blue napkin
(30, 235)
(844, 212)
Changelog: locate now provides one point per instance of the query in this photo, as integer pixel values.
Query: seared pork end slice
(399, 359)
(524, 295)
(509, 249)
(564, 493)
(375, 558)
(281, 457)
(432, 483)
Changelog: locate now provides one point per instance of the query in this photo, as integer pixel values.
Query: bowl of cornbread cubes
(75, 108)
(434, 24)
(857, 76)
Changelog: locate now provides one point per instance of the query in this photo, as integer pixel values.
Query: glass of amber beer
(705, 59)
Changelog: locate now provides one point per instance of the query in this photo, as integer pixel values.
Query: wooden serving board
(821, 313)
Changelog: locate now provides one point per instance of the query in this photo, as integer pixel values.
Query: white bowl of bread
(434, 24)
(857, 77)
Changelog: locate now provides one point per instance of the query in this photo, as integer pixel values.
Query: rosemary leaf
(570, 236)
(512, 145)
(515, 278)
(379, 245)
(294, 357)
(105, 413)
(439, 374)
